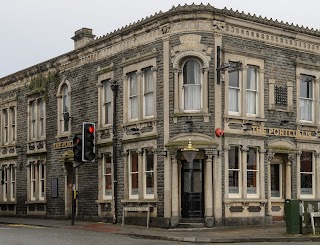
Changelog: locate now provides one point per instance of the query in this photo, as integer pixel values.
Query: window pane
(134, 162)
(233, 100)
(306, 109)
(306, 90)
(252, 159)
(275, 180)
(234, 157)
(148, 80)
(306, 162)
(251, 182)
(306, 183)
(191, 72)
(133, 84)
(251, 102)
(233, 182)
(149, 104)
(134, 107)
(252, 78)
(108, 185)
(234, 79)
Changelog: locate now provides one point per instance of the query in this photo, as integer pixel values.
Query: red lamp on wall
(219, 132)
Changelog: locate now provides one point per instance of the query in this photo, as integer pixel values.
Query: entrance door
(192, 189)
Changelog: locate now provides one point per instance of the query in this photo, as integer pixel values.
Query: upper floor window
(139, 91)
(107, 102)
(244, 94)
(36, 119)
(306, 98)
(9, 125)
(64, 101)
(192, 80)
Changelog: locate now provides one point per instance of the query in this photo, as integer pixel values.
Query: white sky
(33, 31)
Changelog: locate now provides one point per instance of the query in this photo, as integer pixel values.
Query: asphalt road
(34, 235)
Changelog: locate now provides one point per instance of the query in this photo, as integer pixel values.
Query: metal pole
(73, 208)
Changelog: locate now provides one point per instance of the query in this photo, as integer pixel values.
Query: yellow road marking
(25, 226)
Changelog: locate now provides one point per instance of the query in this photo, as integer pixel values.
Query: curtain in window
(148, 92)
(305, 109)
(133, 95)
(192, 85)
(252, 90)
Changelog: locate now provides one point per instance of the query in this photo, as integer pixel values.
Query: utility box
(308, 206)
(293, 217)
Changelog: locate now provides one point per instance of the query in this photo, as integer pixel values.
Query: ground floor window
(107, 176)
(8, 181)
(306, 173)
(37, 180)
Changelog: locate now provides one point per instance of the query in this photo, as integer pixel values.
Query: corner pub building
(149, 88)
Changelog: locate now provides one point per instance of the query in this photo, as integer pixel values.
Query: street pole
(73, 208)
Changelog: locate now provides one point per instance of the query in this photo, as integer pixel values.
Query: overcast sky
(33, 31)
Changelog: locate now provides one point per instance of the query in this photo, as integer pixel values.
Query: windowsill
(102, 201)
(232, 200)
(205, 116)
(257, 119)
(8, 145)
(36, 202)
(139, 121)
(61, 136)
(274, 199)
(8, 202)
(307, 124)
(109, 126)
(36, 140)
(139, 200)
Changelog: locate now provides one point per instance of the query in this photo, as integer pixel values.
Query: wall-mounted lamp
(189, 153)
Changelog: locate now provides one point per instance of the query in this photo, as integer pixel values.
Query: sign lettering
(281, 132)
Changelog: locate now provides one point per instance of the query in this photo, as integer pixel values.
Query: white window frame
(187, 85)
(138, 68)
(257, 172)
(133, 196)
(312, 195)
(310, 99)
(148, 93)
(64, 86)
(146, 172)
(36, 120)
(13, 177)
(132, 96)
(5, 184)
(104, 176)
(256, 91)
(5, 114)
(239, 170)
(37, 190)
(280, 182)
(42, 118)
(8, 124)
(107, 103)
(239, 92)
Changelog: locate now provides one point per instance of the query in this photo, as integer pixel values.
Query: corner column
(208, 190)
(175, 190)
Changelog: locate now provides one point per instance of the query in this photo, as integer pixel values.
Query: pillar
(175, 190)
(208, 189)
(269, 157)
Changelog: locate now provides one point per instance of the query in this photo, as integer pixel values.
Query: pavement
(275, 232)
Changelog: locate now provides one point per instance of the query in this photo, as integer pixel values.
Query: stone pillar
(205, 89)
(176, 90)
(175, 190)
(288, 176)
(262, 175)
(269, 158)
(208, 190)
(217, 190)
(298, 176)
(140, 173)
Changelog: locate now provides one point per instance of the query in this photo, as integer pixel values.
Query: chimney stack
(82, 37)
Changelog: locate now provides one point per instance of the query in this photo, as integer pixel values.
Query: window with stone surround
(36, 120)
(139, 91)
(244, 96)
(306, 98)
(107, 177)
(307, 172)
(64, 109)
(8, 118)
(36, 180)
(8, 181)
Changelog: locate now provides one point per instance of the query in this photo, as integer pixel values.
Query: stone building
(243, 89)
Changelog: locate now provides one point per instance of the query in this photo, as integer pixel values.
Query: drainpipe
(114, 87)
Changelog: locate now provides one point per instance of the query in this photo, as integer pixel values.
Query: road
(35, 235)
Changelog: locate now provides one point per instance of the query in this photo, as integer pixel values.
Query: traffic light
(77, 148)
(88, 143)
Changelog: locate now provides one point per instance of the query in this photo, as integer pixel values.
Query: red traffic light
(91, 129)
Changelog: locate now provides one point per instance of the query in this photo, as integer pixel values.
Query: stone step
(191, 225)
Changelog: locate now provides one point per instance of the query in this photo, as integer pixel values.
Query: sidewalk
(270, 233)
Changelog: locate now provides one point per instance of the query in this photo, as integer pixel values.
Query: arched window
(64, 109)
(192, 85)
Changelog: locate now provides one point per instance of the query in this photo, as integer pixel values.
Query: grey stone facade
(280, 53)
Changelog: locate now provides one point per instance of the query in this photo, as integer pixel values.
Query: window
(252, 171)
(133, 175)
(192, 85)
(107, 100)
(234, 170)
(252, 90)
(8, 177)
(133, 96)
(234, 92)
(107, 177)
(149, 174)
(306, 173)
(141, 174)
(276, 180)
(306, 98)
(148, 92)
(37, 180)
(9, 125)
(64, 111)
(36, 119)
(244, 94)
(139, 91)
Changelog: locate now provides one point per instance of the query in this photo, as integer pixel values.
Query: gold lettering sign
(302, 134)
(61, 145)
